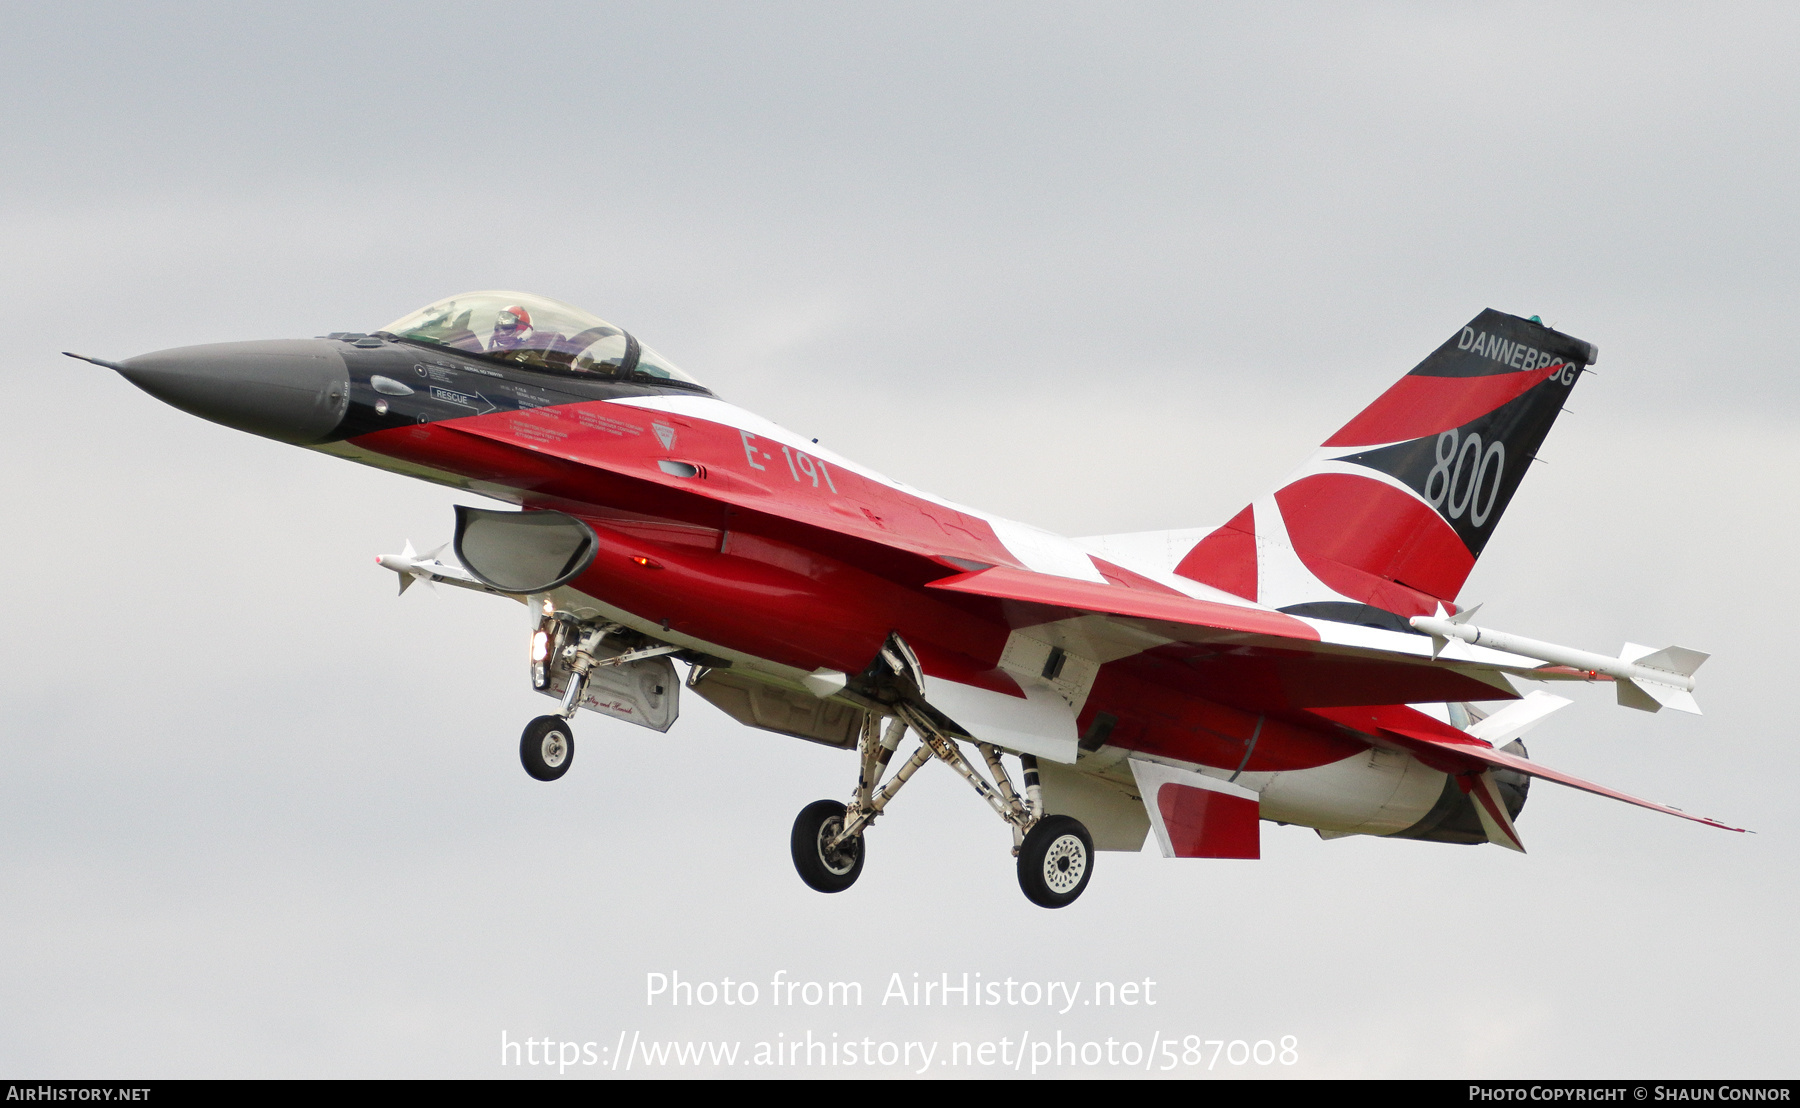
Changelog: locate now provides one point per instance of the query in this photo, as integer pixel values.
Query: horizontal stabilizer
(1461, 755)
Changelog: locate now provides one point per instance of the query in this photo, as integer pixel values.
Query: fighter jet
(1307, 662)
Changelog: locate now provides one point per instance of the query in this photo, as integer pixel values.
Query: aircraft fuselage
(730, 535)
(1194, 683)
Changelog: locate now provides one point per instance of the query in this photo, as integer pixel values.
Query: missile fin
(1652, 696)
(1675, 659)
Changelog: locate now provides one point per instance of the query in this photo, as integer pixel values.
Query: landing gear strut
(583, 653)
(547, 748)
(1056, 853)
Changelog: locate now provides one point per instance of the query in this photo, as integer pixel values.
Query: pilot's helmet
(514, 319)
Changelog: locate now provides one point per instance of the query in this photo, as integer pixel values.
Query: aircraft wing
(1183, 618)
(1326, 659)
(1003, 583)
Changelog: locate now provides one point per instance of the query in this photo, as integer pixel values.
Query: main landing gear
(1056, 853)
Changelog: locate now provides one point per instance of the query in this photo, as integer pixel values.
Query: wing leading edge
(1401, 663)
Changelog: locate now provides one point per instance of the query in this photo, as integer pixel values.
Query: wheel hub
(841, 860)
(1064, 863)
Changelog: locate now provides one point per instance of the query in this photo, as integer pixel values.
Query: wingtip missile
(1439, 642)
(1648, 679)
(411, 566)
(403, 566)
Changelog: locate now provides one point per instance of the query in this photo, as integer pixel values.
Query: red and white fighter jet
(1305, 663)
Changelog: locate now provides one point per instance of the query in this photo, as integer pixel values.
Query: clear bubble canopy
(535, 331)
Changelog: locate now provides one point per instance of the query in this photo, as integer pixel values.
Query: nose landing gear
(628, 678)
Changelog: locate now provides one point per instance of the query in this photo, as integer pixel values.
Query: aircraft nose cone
(294, 390)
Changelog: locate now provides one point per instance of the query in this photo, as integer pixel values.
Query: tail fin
(1386, 519)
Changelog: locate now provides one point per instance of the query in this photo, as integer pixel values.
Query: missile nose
(293, 390)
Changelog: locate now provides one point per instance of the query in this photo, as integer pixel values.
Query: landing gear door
(645, 692)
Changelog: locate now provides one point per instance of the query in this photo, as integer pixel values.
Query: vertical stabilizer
(1387, 518)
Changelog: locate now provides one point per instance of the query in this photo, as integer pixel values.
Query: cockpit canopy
(535, 331)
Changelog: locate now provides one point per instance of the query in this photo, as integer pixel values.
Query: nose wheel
(547, 748)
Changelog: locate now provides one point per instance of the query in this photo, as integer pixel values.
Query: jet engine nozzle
(293, 390)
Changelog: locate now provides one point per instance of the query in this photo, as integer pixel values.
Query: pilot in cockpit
(510, 329)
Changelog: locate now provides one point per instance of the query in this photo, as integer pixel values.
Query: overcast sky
(1099, 267)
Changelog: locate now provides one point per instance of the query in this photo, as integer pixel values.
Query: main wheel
(547, 748)
(829, 871)
(1055, 861)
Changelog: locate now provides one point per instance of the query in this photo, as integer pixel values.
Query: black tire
(1055, 861)
(831, 873)
(547, 748)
